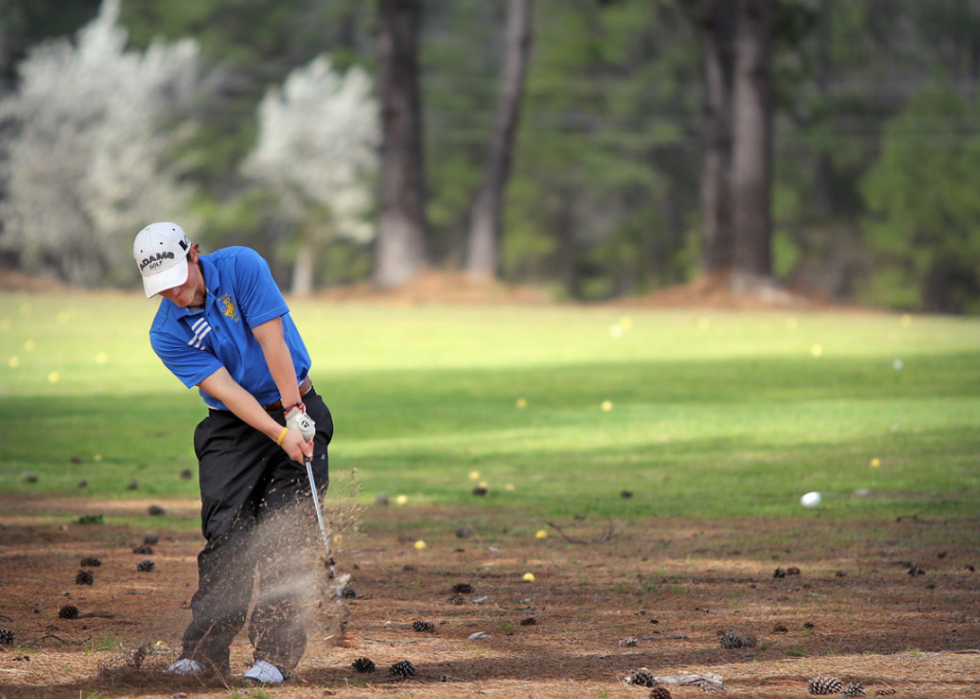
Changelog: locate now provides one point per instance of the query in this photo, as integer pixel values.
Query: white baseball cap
(161, 250)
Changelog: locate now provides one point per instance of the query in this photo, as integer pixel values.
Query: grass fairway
(558, 410)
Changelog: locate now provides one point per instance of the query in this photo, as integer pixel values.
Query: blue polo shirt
(241, 295)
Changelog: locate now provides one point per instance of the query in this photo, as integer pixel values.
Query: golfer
(224, 327)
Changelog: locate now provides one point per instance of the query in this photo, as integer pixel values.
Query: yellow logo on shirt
(228, 307)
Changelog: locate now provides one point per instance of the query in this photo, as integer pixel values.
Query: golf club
(319, 517)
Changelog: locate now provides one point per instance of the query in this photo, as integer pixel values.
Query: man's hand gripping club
(301, 425)
(297, 419)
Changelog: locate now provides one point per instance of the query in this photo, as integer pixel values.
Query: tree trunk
(400, 252)
(303, 268)
(483, 251)
(715, 23)
(825, 176)
(752, 146)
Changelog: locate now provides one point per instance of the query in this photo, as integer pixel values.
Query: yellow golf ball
(522, 402)
(14, 362)
(875, 463)
(419, 545)
(626, 323)
(53, 377)
(816, 350)
(542, 534)
(474, 475)
(528, 577)
(509, 487)
(401, 500)
(101, 358)
(607, 405)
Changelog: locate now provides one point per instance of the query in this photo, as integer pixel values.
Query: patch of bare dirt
(658, 594)
(15, 280)
(457, 288)
(715, 292)
(440, 288)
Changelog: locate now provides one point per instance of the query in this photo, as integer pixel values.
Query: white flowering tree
(317, 151)
(88, 144)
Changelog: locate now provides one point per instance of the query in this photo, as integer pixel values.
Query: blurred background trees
(89, 148)
(317, 154)
(631, 137)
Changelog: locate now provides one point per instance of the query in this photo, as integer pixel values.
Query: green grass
(713, 414)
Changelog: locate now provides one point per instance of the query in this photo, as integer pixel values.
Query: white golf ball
(810, 499)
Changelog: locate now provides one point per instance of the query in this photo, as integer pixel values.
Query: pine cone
(642, 678)
(854, 689)
(732, 640)
(69, 611)
(144, 549)
(462, 588)
(145, 566)
(6, 637)
(363, 665)
(403, 668)
(151, 539)
(529, 621)
(886, 692)
(423, 627)
(90, 562)
(348, 592)
(456, 599)
(660, 692)
(628, 642)
(84, 578)
(824, 685)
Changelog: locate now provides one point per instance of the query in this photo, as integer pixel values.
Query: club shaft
(319, 514)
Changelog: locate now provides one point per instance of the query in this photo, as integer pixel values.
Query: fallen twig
(389, 640)
(58, 638)
(607, 536)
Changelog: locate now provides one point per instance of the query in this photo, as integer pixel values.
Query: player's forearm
(279, 360)
(240, 402)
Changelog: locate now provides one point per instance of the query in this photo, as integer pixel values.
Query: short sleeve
(259, 297)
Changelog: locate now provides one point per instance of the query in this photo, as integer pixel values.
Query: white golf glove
(298, 420)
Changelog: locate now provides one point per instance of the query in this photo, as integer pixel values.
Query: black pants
(257, 516)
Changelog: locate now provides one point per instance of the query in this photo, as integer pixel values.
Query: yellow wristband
(282, 436)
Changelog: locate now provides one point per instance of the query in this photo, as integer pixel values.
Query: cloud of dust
(299, 570)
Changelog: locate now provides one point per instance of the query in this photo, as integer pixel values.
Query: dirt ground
(607, 599)
(457, 288)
